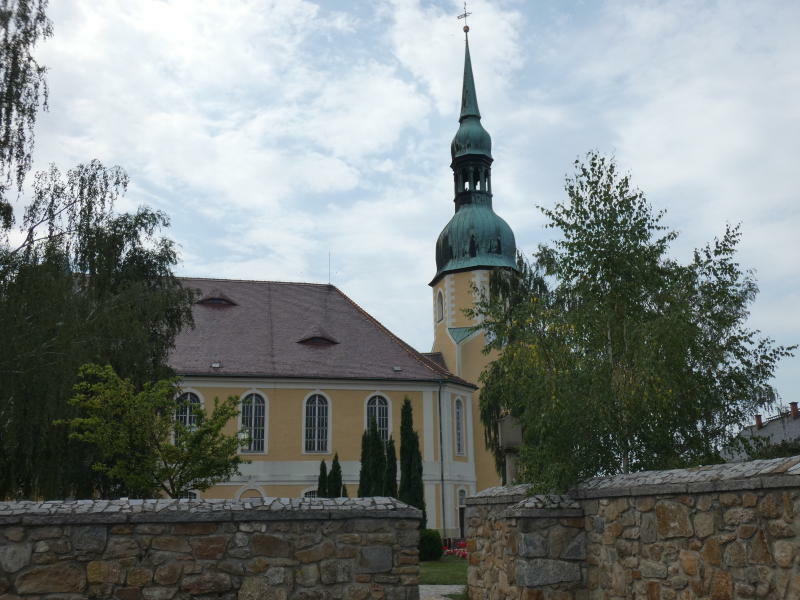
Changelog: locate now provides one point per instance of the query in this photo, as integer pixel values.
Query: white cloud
(275, 131)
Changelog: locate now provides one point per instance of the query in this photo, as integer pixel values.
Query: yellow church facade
(311, 368)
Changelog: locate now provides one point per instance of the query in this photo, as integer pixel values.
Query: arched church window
(459, 426)
(378, 409)
(254, 419)
(185, 414)
(439, 307)
(316, 424)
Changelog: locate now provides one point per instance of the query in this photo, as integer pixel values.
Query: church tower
(474, 243)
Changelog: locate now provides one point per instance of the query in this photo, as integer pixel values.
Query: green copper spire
(475, 238)
(471, 137)
(469, 99)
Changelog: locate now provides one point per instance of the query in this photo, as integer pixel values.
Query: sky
(277, 133)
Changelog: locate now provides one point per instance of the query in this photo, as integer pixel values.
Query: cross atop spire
(464, 16)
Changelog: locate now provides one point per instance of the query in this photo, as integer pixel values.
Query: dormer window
(317, 341)
(317, 336)
(216, 299)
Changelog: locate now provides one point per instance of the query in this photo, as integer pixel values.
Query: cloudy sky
(275, 132)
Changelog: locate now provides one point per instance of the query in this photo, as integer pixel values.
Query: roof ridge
(410, 350)
(258, 281)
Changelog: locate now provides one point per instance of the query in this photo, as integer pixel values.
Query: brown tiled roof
(436, 357)
(265, 328)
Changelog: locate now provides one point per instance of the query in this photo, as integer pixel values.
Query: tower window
(316, 424)
(439, 307)
(254, 422)
(378, 409)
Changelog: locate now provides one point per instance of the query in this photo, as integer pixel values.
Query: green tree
(24, 91)
(139, 444)
(411, 488)
(390, 486)
(86, 285)
(373, 462)
(322, 480)
(364, 485)
(335, 478)
(629, 360)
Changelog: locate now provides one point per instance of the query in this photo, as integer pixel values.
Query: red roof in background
(259, 327)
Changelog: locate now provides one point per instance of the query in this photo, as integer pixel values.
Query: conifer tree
(363, 474)
(334, 488)
(390, 485)
(377, 459)
(411, 488)
(322, 481)
(344, 491)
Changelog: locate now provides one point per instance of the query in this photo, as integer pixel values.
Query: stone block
(576, 548)
(211, 547)
(102, 571)
(139, 576)
(652, 569)
(721, 586)
(672, 519)
(375, 559)
(15, 556)
(783, 551)
(532, 545)
(158, 593)
(543, 571)
(270, 545)
(206, 583)
(315, 553)
(171, 543)
(257, 588)
(61, 578)
(307, 575)
(89, 538)
(704, 524)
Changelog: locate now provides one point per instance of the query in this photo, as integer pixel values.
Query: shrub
(430, 545)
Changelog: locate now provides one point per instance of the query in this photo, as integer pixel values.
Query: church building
(311, 367)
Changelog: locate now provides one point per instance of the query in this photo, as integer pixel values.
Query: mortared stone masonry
(270, 549)
(721, 532)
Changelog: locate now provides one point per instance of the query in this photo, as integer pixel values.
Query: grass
(448, 570)
(462, 596)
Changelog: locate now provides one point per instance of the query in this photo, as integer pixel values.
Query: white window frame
(439, 307)
(242, 398)
(459, 417)
(388, 412)
(200, 402)
(329, 432)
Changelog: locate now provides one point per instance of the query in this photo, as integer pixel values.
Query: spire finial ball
(466, 28)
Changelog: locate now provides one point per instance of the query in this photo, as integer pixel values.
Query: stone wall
(271, 549)
(720, 532)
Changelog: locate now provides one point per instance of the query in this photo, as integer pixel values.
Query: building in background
(310, 367)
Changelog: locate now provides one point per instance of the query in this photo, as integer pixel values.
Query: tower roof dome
(475, 237)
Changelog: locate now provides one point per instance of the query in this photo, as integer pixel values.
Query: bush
(430, 545)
